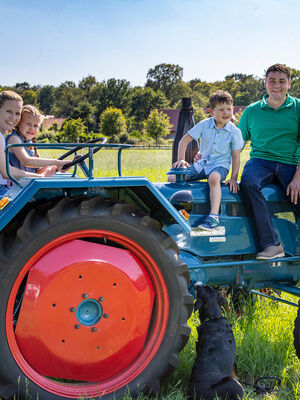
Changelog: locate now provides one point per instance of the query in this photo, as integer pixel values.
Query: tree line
(127, 113)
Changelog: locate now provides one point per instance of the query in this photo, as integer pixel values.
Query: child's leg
(214, 181)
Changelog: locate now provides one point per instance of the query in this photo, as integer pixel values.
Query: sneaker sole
(271, 258)
(202, 228)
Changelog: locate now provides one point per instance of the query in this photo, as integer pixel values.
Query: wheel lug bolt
(85, 295)
(105, 315)
(94, 329)
(77, 326)
(101, 298)
(72, 309)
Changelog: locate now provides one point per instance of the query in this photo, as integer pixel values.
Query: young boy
(220, 141)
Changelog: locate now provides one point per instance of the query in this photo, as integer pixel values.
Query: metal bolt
(101, 298)
(105, 315)
(77, 326)
(72, 309)
(85, 295)
(94, 329)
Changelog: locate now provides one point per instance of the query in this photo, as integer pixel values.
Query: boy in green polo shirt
(272, 126)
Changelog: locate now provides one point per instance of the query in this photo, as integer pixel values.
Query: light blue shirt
(215, 145)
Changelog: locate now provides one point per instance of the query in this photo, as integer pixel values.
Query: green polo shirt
(274, 134)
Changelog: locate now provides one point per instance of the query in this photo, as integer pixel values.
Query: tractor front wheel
(94, 302)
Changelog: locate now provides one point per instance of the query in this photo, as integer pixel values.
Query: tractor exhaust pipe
(185, 123)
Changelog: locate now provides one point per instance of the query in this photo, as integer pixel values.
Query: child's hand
(61, 163)
(197, 157)
(48, 171)
(180, 164)
(233, 185)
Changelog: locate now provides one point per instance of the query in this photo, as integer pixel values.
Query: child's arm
(232, 182)
(34, 162)
(184, 141)
(17, 173)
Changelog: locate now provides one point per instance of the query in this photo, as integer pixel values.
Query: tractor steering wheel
(80, 159)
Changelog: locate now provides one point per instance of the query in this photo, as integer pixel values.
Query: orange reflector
(3, 202)
(185, 214)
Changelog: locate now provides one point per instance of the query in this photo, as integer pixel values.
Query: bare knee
(214, 179)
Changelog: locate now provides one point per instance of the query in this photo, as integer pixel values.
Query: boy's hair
(29, 109)
(220, 97)
(9, 95)
(279, 68)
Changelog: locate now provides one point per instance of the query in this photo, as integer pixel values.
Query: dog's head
(209, 302)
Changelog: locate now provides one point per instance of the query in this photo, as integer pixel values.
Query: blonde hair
(9, 95)
(28, 108)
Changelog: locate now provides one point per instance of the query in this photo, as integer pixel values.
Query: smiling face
(10, 114)
(222, 114)
(29, 125)
(277, 84)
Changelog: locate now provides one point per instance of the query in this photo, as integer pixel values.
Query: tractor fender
(138, 191)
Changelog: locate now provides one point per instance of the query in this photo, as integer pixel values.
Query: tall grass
(263, 331)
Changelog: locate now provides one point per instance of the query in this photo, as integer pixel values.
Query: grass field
(150, 163)
(263, 332)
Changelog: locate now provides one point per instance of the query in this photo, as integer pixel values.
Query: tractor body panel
(138, 191)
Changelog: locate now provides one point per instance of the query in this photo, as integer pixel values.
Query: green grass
(264, 347)
(153, 164)
(263, 333)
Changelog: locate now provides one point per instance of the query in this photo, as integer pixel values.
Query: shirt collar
(288, 102)
(227, 127)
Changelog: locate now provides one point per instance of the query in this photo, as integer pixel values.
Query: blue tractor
(97, 276)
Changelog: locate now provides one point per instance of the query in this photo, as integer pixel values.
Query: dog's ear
(222, 300)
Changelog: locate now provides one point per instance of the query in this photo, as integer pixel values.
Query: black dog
(213, 370)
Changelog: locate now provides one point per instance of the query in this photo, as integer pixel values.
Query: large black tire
(297, 334)
(70, 219)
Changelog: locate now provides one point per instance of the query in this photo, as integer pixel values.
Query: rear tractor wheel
(94, 302)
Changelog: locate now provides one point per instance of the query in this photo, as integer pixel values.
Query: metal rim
(158, 322)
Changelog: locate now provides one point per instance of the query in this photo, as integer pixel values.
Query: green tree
(113, 123)
(73, 131)
(143, 100)
(245, 89)
(163, 77)
(199, 114)
(157, 125)
(87, 83)
(45, 98)
(112, 93)
(29, 97)
(54, 127)
(295, 86)
(21, 87)
(204, 88)
(66, 97)
(180, 89)
(86, 112)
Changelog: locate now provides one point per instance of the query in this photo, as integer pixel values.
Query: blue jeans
(257, 174)
(191, 173)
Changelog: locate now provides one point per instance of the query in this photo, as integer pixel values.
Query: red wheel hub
(109, 339)
(56, 286)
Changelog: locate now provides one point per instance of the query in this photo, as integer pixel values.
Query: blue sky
(48, 42)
